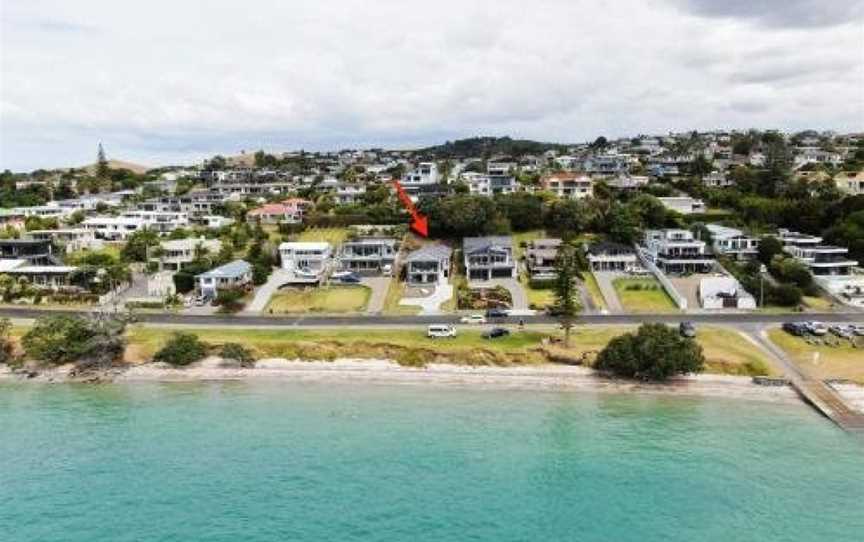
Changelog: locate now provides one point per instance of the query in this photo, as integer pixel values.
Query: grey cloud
(780, 13)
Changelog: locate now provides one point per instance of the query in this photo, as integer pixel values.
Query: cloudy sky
(164, 82)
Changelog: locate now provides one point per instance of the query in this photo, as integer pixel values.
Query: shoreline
(556, 378)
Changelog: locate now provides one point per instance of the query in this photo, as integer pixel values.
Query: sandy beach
(541, 378)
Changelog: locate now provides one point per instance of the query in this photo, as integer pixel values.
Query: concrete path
(379, 287)
(604, 281)
(264, 292)
(431, 304)
(517, 292)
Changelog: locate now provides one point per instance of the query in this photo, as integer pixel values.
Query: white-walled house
(733, 242)
(724, 293)
(677, 251)
(176, 253)
(568, 185)
(489, 257)
(237, 274)
(309, 258)
(821, 260)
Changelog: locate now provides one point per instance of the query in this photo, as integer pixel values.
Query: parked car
(842, 330)
(201, 301)
(816, 328)
(440, 331)
(496, 332)
(795, 328)
(350, 279)
(473, 319)
(857, 329)
(496, 313)
(687, 329)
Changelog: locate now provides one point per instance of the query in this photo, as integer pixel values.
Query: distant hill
(489, 146)
(119, 164)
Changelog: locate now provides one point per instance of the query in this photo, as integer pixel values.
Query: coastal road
(372, 320)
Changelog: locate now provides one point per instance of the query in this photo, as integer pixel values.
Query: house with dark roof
(540, 256)
(609, 256)
(369, 255)
(489, 257)
(35, 251)
(428, 265)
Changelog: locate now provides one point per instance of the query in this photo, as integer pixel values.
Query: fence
(677, 298)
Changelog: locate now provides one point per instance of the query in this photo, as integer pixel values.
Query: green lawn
(394, 294)
(326, 299)
(728, 352)
(842, 361)
(651, 297)
(334, 236)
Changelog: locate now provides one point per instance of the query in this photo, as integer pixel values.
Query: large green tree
(566, 305)
(654, 352)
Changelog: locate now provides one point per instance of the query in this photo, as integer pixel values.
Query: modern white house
(821, 260)
(118, 228)
(732, 242)
(424, 173)
(237, 274)
(677, 251)
(176, 253)
(489, 257)
(50, 277)
(724, 293)
(683, 204)
(429, 264)
(312, 259)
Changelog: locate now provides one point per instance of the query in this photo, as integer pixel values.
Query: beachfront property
(610, 256)
(236, 274)
(489, 257)
(683, 204)
(568, 185)
(50, 277)
(173, 255)
(724, 293)
(429, 264)
(289, 211)
(369, 255)
(540, 257)
(821, 260)
(676, 251)
(306, 258)
(33, 251)
(70, 239)
(732, 242)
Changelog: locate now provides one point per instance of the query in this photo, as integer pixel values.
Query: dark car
(794, 328)
(496, 332)
(687, 329)
(496, 313)
(350, 279)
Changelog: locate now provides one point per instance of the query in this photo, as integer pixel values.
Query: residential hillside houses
(540, 257)
(173, 255)
(68, 239)
(289, 211)
(568, 185)
(309, 259)
(732, 242)
(683, 204)
(610, 256)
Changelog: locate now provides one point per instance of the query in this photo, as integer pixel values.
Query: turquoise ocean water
(280, 461)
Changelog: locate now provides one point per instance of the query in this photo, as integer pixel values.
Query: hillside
(489, 146)
(119, 164)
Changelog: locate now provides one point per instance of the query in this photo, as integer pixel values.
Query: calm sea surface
(287, 461)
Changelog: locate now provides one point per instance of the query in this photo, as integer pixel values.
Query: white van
(437, 331)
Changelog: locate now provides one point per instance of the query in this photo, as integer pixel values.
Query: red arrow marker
(419, 222)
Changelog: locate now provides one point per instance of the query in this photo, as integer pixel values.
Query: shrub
(230, 299)
(182, 349)
(239, 353)
(6, 348)
(654, 352)
(90, 342)
(184, 282)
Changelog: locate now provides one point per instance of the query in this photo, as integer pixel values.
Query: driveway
(517, 293)
(604, 281)
(688, 288)
(266, 291)
(431, 304)
(379, 287)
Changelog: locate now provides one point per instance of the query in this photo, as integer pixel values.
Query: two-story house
(540, 256)
(821, 260)
(732, 242)
(677, 251)
(174, 254)
(310, 259)
(369, 255)
(489, 257)
(429, 264)
(236, 274)
(568, 185)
